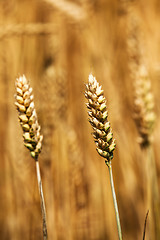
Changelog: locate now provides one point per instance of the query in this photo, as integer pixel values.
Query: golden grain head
(28, 116)
(144, 105)
(98, 117)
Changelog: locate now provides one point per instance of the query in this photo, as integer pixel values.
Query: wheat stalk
(102, 133)
(31, 132)
(144, 116)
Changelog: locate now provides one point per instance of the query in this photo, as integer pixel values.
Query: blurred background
(56, 44)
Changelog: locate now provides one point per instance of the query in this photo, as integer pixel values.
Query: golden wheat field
(56, 44)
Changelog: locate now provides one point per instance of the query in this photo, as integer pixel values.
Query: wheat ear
(102, 133)
(144, 106)
(31, 132)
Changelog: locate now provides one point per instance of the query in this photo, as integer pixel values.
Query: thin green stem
(43, 209)
(114, 200)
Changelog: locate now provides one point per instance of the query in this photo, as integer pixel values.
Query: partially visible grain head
(144, 106)
(98, 117)
(28, 116)
(144, 103)
(134, 43)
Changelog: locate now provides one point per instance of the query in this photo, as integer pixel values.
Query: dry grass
(79, 205)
